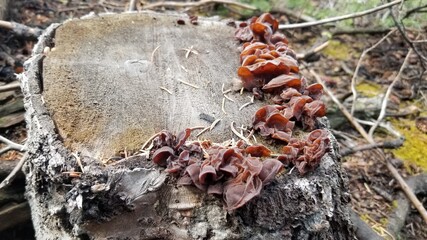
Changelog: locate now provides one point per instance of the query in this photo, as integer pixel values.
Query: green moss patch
(337, 50)
(414, 149)
(369, 89)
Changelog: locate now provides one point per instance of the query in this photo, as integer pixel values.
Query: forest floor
(371, 185)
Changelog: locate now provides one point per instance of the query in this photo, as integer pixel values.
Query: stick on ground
(339, 18)
(21, 30)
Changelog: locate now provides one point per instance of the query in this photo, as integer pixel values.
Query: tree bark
(98, 92)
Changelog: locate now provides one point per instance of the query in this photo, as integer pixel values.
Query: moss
(384, 221)
(337, 50)
(368, 89)
(414, 148)
(365, 218)
(394, 204)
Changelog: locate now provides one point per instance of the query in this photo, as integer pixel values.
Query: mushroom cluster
(234, 172)
(306, 155)
(238, 171)
(269, 67)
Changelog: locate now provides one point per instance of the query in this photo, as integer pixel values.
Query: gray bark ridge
(137, 200)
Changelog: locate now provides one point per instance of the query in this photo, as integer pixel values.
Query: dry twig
(189, 84)
(189, 51)
(213, 125)
(154, 51)
(79, 161)
(387, 95)
(239, 135)
(11, 86)
(21, 30)
(167, 90)
(10, 145)
(203, 131)
(12, 174)
(148, 141)
(339, 18)
(356, 71)
(390, 144)
(223, 106)
(172, 4)
(132, 5)
(247, 104)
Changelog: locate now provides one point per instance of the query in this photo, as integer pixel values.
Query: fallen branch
(172, 4)
(21, 30)
(355, 31)
(411, 196)
(414, 10)
(10, 145)
(339, 18)
(11, 86)
(397, 218)
(388, 145)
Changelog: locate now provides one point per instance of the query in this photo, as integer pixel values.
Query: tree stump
(96, 86)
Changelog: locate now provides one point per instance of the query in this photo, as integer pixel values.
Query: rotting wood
(132, 197)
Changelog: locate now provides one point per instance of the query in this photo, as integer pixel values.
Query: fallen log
(97, 89)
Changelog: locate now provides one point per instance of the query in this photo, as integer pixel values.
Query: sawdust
(76, 122)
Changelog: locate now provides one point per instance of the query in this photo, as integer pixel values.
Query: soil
(335, 64)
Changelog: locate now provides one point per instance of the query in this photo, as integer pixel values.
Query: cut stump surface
(102, 83)
(97, 91)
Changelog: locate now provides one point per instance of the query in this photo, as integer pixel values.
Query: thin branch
(132, 5)
(389, 144)
(355, 31)
(239, 135)
(15, 170)
(11, 86)
(11, 145)
(214, 124)
(313, 51)
(347, 114)
(149, 140)
(339, 18)
(387, 94)
(353, 79)
(167, 90)
(152, 54)
(396, 219)
(188, 84)
(408, 191)
(401, 29)
(21, 30)
(172, 4)
(79, 161)
(414, 10)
